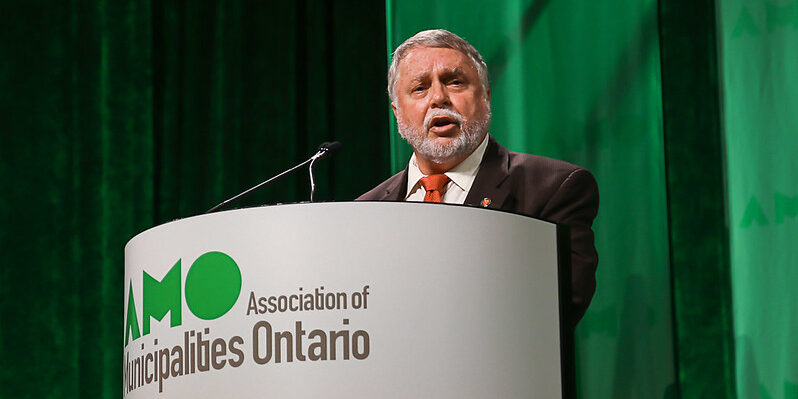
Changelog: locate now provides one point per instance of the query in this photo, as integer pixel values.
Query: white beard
(465, 143)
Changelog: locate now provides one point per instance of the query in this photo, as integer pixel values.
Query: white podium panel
(344, 300)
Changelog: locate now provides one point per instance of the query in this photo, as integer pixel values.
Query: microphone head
(330, 149)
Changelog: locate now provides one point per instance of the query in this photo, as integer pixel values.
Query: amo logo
(766, 17)
(212, 287)
(784, 207)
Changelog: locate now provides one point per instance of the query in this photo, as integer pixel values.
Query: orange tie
(434, 185)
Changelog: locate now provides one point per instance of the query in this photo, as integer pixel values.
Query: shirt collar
(462, 175)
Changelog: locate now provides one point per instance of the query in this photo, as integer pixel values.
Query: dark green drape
(699, 236)
(117, 116)
(246, 89)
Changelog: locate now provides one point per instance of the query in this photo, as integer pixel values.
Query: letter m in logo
(161, 297)
(785, 207)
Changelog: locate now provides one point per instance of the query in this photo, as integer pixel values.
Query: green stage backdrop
(580, 81)
(118, 116)
(759, 54)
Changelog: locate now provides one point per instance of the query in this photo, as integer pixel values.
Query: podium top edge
(466, 208)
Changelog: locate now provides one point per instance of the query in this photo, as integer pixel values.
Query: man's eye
(456, 82)
(419, 88)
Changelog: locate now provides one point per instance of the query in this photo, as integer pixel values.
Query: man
(438, 85)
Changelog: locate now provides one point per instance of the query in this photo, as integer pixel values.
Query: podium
(348, 300)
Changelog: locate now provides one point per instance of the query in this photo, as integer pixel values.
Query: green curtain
(580, 81)
(118, 116)
(758, 49)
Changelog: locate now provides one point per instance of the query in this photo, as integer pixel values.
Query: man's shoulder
(386, 189)
(541, 169)
(531, 161)
(538, 183)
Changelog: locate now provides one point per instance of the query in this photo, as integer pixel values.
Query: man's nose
(440, 97)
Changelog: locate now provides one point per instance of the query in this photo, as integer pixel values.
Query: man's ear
(393, 108)
(488, 94)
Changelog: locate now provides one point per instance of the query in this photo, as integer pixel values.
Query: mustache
(452, 114)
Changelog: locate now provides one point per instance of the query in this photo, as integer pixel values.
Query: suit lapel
(493, 171)
(396, 190)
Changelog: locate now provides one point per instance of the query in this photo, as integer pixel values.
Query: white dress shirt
(461, 177)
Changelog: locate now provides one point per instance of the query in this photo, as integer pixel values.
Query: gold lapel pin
(485, 202)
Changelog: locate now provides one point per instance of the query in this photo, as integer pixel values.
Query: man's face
(441, 106)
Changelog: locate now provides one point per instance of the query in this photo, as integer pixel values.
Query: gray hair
(438, 38)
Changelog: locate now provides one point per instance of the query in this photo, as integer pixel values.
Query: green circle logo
(212, 285)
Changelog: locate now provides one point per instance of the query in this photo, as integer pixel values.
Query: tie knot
(434, 182)
(434, 185)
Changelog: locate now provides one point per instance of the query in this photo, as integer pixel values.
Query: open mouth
(442, 123)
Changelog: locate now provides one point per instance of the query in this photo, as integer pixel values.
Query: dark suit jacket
(536, 186)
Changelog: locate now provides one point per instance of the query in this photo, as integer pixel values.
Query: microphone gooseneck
(325, 150)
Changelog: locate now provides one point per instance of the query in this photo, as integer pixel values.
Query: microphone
(325, 150)
(329, 149)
